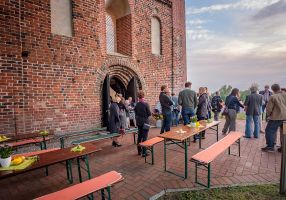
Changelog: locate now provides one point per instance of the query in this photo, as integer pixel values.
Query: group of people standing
(120, 113)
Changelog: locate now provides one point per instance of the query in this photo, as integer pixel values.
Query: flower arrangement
(5, 151)
(194, 119)
(157, 116)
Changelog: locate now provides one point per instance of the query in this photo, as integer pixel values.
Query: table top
(188, 131)
(53, 157)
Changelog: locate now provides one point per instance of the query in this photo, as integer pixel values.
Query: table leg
(87, 166)
(217, 133)
(69, 171)
(62, 140)
(79, 170)
(186, 159)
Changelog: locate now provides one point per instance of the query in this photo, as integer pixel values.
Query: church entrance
(122, 82)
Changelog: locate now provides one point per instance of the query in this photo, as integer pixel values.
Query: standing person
(276, 111)
(114, 120)
(216, 104)
(130, 108)
(266, 93)
(166, 104)
(188, 101)
(253, 103)
(233, 104)
(142, 113)
(175, 110)
(202, 111)
(123, 113)
(209, 103)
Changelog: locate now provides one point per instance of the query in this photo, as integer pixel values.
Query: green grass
(257, 192)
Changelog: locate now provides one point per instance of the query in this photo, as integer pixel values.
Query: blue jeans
(175, 117)
(167, 121)
(271, 131)
(142, 136)
(248, 129)
(187, 113)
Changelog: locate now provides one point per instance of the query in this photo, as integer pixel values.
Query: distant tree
(226, 90)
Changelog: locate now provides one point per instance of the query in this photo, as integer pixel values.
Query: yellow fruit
(18, 160)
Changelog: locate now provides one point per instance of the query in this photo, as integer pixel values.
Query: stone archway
(119, 79)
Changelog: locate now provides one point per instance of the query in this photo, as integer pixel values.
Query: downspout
(172, 67)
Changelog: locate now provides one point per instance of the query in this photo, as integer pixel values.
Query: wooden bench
(149, 145)
(62, 137)
(205, 157)
(86, 188)
(105, 136)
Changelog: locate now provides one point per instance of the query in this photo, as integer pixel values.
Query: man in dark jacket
(166, 104)
(253, 103)
(216, 104)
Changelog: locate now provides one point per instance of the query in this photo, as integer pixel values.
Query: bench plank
(208, 155)
(83, 189)
(95, 138)
(151, 142)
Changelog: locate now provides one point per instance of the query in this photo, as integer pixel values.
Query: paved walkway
(143, 181)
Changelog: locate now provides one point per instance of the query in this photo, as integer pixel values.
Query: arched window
(61, 17)
(156, 36)
(110, 34)
(118, 27)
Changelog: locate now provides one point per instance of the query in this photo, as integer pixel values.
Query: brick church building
(61, 59)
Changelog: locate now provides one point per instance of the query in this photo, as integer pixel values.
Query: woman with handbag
(232, 105)
(142, 114)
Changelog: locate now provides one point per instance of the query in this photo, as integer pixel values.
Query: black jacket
(142, 113)
(165, 102)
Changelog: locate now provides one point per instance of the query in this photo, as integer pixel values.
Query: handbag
(225, 109)
(146, 126)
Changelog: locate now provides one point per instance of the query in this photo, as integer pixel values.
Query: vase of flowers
(158, 117)
(194, 121)
(5, 156)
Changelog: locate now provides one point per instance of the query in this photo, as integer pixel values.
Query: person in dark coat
(202, 110)
(166, 104)
(216, 104)
(114, 120)
(253, 103)
(142, 114)
(233, 104)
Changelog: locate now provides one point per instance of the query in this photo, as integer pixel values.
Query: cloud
(193, 22)
(198, 33)
(271, 10)
(242, 5)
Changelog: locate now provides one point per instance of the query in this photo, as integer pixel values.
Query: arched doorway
(120, 80)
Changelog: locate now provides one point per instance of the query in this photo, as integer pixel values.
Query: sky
(236, 42)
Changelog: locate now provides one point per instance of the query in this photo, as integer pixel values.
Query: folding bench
(149, 145)
(86, 188)
(205, 157)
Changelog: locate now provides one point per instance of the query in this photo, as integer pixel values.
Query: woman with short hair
(232, 103)
(114, 120)
(142, 114)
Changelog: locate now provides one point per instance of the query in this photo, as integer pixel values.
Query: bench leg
(134, 138)
(102, 194)
(62, 141)
(239, 147)
(108, 192)
(209, 175)
(44, 142)
(165, 156)
(200, 140)
(79, 170)
(47, 171)
(228, 150)
(196, 172)
(152, 152)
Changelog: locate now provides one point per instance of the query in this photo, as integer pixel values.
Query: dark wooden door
(105, 100)
(132, 89)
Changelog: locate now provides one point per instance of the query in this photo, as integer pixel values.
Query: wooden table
(58, 156)
(173, 137)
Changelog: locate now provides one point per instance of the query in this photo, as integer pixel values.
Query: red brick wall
(123, 35)
(58, 86)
